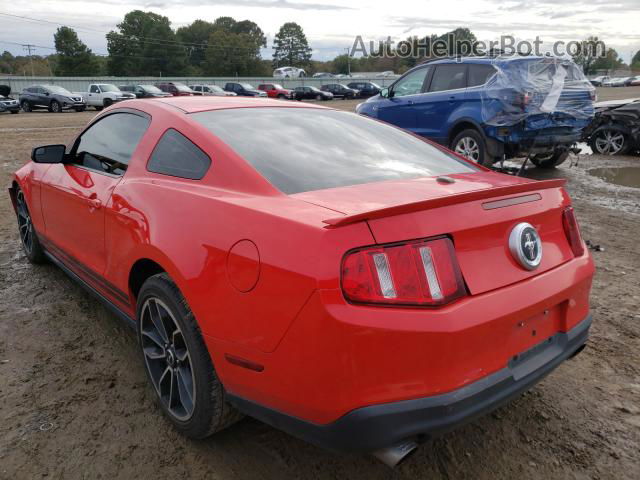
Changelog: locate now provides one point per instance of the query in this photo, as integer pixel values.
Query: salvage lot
(74, 401)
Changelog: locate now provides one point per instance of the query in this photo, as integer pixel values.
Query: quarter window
(411, 84)
(108, 144)
(448, 77)
(479, 74)
(177, 156)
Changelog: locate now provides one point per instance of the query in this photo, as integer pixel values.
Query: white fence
(79, 84)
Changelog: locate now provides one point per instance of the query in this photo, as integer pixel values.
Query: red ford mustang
(336, 277)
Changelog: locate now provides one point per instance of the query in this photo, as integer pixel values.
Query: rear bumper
(378, 426)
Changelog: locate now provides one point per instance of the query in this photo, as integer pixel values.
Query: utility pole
(348, 61)
(29, 48)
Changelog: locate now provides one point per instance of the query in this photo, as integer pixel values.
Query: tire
(470, 144)
(26, 106)
(55, 107)
(107, 102)
(81, 109)
(280, 96)
(609, 142)
(319, 97)
(15, 111)
(28, 236)
(98, 108)
(209, 412)
(550, 160)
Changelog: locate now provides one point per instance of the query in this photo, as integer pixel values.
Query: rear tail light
(572, 231)
(423, 272)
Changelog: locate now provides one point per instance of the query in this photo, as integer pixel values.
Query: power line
(28, 47)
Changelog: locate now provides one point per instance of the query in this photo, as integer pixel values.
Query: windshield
(317, 149)
(247, 86)
(109, 88)
(182, 88)
(277, 86)
(58, 90)
(150, 89)
(215, 88)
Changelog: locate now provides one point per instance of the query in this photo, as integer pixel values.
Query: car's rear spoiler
(444, 201)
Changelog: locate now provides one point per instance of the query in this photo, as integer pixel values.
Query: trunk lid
(478, 211)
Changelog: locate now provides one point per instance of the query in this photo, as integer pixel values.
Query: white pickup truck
(101, 95)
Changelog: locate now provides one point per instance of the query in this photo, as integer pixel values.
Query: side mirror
(386, 93)
(46, 93)
(48, 154)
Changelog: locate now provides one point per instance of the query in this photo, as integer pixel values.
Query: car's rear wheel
(26, 106)
(470, 144)
(609, 142)
(28, 237)
(55, 106)
(177, 362)
(107, 102)
(550, 160)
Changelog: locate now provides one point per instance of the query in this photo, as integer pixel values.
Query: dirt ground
(74, 401)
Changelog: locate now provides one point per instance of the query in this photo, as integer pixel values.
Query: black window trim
(175, 176)
(495, 70)
(466, 78)
(76, 142)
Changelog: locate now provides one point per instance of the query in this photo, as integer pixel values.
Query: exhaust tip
(396, 454)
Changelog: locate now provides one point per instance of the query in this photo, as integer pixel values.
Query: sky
(332, 25)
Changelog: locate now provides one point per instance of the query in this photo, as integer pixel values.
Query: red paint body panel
(321, 357)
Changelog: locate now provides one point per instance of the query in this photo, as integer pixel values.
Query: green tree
(145, 44)
(196, 37)
(74, 58)
(234, 48)
(635, 61)
(291, 47)
(589, 52)
(608, 63)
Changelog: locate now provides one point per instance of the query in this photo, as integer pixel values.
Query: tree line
(145, 44)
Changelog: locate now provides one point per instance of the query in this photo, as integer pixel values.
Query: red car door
(75, 194)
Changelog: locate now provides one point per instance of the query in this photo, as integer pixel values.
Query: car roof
(203, 104)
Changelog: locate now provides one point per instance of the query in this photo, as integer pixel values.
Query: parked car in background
(635, 81)
(8, 104)
(598, 81)
(531, 109)
(311, 93)
(176, 89)
(323, 75)
(102, 95)
(289, 72)
(386, 74)
(244, 90)
(365, 89)
(354, 286)
(340, 91)
(210, 91)
(52, 97)
(144, 91)
(619, 81)
(615, 129)
(275, 90)
(608, 81)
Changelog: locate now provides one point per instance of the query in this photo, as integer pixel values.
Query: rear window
(318, 149)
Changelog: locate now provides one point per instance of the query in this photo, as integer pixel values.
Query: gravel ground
(74, 402)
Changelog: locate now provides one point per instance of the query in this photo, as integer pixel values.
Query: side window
(177, 156)
(448, 77)
(479, 74)
(411, 84)
(94, 89)
(108, 144)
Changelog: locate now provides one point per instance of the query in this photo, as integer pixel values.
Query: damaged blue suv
(490, 108)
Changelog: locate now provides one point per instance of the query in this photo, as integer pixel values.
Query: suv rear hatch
(478, 211)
